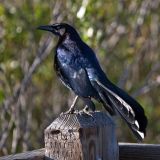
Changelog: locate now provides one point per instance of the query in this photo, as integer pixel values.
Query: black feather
(78, 68)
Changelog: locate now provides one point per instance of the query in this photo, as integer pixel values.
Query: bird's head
(59, 29)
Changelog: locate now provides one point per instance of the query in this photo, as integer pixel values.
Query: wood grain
(81, 137)
(134, 151)
(30, 155)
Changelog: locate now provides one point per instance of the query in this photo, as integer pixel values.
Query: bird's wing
(75, 78)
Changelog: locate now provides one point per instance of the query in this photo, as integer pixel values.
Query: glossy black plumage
(77, 67)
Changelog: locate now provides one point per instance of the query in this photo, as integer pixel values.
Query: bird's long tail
(129, 109)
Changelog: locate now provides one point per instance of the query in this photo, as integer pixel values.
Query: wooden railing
(127, 151)
(81, 137)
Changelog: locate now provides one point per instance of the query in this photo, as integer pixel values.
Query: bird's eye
(58, 28)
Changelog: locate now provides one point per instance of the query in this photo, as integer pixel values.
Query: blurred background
(125, 35)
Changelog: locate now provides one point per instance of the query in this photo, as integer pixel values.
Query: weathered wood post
(81, 137)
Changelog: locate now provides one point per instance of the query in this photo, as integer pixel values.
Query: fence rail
(81, 137)
(127, 151)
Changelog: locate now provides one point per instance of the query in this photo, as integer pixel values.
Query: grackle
(77, 67)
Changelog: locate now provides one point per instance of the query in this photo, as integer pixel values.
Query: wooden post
(81, 137)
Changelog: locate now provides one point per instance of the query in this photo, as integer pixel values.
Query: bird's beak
(46, 28)
(49, 28)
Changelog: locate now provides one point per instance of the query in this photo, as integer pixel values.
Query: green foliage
(125, 36)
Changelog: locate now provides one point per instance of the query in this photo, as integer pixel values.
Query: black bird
(77, 67)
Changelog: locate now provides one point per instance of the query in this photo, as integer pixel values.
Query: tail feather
(128, 108)
(126, 115)
(139, 135)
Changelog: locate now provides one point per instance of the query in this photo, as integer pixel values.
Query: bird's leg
(71, 109)
(89, 105)
(85, 110)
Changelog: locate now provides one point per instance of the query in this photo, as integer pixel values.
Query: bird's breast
(69, 58)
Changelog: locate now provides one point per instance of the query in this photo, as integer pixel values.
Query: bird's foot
(85, 112)
(71, 109)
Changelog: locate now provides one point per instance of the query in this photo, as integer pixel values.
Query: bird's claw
(85, 112)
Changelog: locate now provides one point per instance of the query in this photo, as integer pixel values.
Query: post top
(76, 121)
